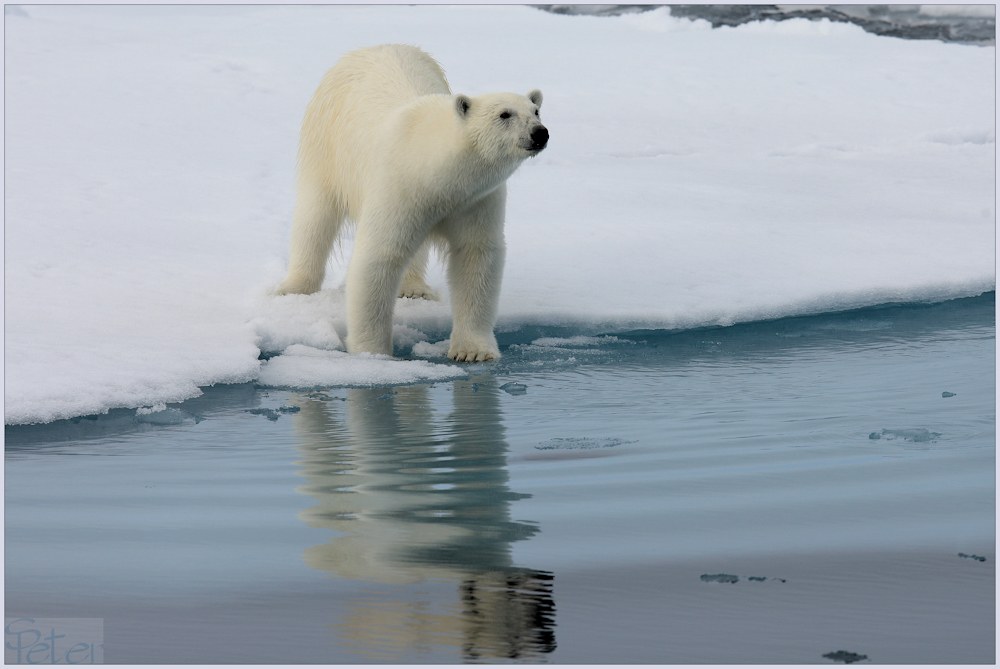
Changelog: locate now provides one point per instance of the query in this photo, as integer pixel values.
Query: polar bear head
(503, 127)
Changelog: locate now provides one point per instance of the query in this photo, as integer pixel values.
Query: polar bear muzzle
(539, 138)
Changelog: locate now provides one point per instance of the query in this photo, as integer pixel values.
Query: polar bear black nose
(539, 138)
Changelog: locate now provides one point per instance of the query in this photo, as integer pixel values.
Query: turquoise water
(562, 505)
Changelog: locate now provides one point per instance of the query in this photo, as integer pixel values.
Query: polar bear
(386, 146)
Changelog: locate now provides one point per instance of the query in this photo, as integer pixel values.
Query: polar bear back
(347, 115)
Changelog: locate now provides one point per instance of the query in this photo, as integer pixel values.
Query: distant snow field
(693, 177)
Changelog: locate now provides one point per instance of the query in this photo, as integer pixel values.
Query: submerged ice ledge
(552, 341)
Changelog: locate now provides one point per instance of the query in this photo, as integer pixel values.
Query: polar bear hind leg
(315, 225)
(414, 283)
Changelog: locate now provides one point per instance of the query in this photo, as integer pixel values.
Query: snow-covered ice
(694, 176)
(306, 367)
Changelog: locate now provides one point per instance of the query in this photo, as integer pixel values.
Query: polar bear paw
(418, 291)
(472, 353)
(296, 286)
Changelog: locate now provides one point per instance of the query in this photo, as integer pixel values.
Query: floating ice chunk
(273, 414)
(403, 336)
(306, 367)
(917, 434)
(845, 656)
(425, 349)
(142, 411)
(581, 443)
(514, 388)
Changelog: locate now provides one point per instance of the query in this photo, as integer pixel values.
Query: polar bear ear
(462, 104)
(536, 97)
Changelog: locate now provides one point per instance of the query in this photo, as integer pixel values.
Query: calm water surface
(585, 500)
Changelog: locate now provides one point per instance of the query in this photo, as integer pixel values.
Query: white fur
(385, 145)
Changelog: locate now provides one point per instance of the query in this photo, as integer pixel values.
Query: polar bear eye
(505, 115)
(536, 113)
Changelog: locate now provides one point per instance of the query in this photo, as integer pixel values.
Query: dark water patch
(845, 656)
(581, 443)
(733, 578)
(917, 435)
(902, 21)
(978, 558)
(274, 414)
(323, 397)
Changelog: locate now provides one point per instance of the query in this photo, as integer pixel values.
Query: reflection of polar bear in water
(385, 145)
(419, 497)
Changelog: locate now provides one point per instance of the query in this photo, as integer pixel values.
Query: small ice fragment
(423, 349)
(720, 578)
(947, 394)
(916, 434)
(274, 414)
(584, 443)
(845, 656)
(980, 558)
(514, 388)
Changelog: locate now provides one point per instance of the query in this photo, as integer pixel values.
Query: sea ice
(719, 176)
(306, 367)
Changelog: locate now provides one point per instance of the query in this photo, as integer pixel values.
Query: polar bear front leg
(475, 271)
(373, 279)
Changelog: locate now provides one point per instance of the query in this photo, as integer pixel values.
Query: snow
(979, 11)
(693, 177)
